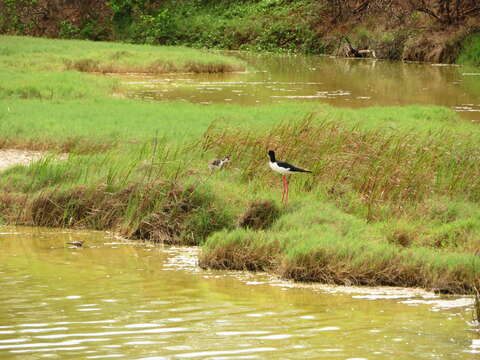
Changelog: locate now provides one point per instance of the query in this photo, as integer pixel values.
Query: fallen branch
(365, 52)
(429, 12)
(471, 11)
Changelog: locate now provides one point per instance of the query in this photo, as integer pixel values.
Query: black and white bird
(284, 169)
(216, 164)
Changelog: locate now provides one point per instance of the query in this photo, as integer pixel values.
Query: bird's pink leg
(286, 187)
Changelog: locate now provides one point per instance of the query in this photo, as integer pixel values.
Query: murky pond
(340, 82)
(114, 299)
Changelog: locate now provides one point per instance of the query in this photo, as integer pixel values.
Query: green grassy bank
(33, 54)
(393, 198)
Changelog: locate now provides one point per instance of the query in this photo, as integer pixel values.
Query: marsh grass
(53, 85)
(373, 213)
(67, 124)
(259, 215)
(382, 207)
(393, 198)
(318, 242)
(136, 192)
(86, 56)
(241, 249)
(395, 168)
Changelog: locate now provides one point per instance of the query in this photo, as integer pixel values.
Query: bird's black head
(271, 154)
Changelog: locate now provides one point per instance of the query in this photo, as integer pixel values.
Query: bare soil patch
(11, 157)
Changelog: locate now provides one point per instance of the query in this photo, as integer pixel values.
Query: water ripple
(108, 333)
(224, 352)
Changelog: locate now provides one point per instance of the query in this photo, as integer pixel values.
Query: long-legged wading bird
(284, 169)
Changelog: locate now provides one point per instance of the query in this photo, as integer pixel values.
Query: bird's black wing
(291, 167)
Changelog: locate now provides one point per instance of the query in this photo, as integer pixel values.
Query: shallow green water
(135, 301)
(340, 82)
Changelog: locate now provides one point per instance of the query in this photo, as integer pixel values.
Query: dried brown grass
(76, 207)
(259, 215)
(241, 256)
(155, 67)
(318, 267)
(77, 145)
(437, 45)
(170, 222)
(159, 211)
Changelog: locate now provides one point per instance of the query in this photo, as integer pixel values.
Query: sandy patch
(14, 157)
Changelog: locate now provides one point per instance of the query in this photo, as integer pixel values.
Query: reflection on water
(340, 82)
(113, 299)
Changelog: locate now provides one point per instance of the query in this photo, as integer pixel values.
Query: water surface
(113, 299)
(340, 82)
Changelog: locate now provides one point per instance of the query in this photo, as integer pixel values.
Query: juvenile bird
(216, 164)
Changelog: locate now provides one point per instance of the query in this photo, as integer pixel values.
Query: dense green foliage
(471, 52)
(261, 25)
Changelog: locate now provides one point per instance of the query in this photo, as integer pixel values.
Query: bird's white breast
(275, 167)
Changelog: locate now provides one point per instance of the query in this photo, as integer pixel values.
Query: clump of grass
(379, 264)
(259, 215)
(402, 234)
(155, 67)
(241, 249)
(83, 65)
(80, 206)
(158, 211)
(184, 216)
